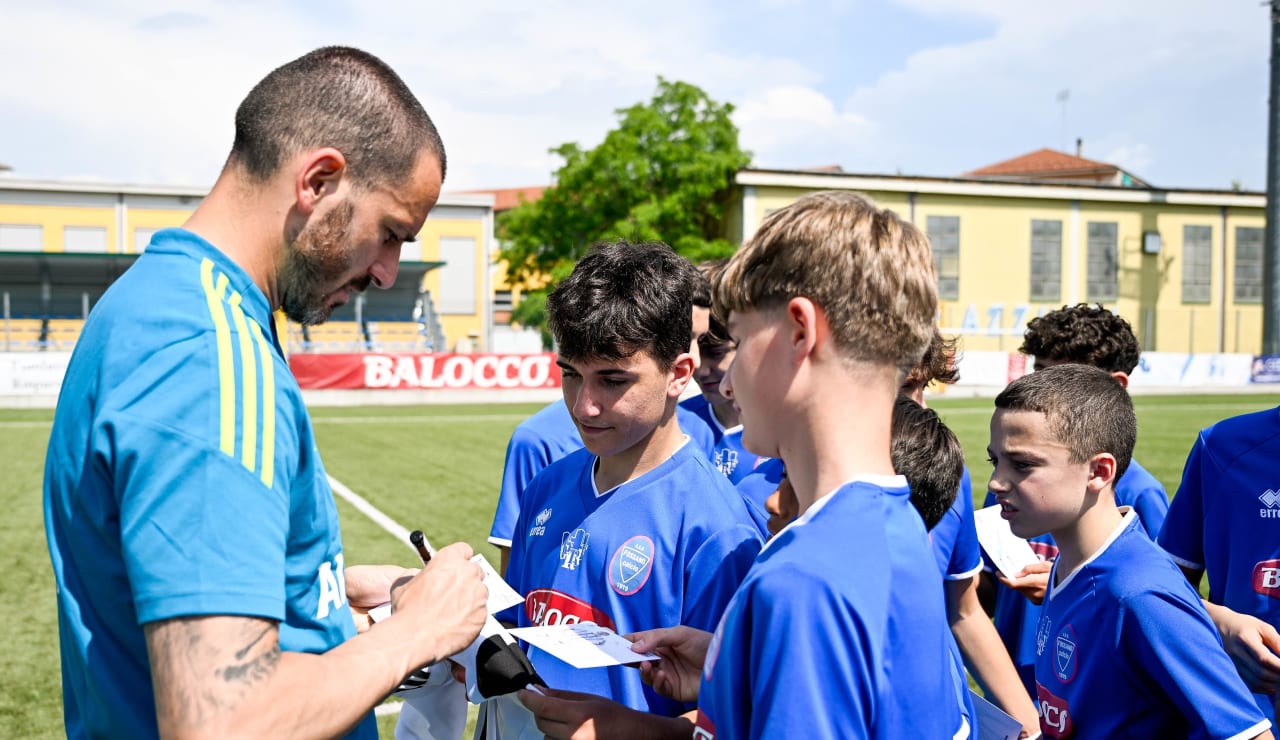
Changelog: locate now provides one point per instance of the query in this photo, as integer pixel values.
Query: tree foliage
(663, 174)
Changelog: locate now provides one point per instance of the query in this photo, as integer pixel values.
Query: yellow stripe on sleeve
(249, 378)
(267, 358)
(226, 372)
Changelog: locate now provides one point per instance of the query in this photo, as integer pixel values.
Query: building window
(1197, 263)
(502, 300)
(458, 276)
(1102, 283)
(21, 238)
(1046, 261)
(1248, 281)
(944, 237)
(141, 238)
(84, 239)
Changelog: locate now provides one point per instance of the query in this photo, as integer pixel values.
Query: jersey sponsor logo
(1055, 714)
(539, 527)
(1271, 500)
(572, 546)
(726, 461)
(1043, 628)
(1266, 578)
(631, 565)
(1045, 550)
(704, 728)
(1065, 663)
(548, 607)
(332, 577)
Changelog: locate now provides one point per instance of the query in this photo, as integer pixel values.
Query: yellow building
(1183, 266)
(61, 243)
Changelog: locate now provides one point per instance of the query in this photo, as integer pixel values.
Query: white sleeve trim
(499, 542)
(1182, 561)
(1252, 731)
(972, 573)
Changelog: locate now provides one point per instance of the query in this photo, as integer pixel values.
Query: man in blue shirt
(194, 538)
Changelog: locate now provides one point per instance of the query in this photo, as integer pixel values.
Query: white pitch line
(391, 707)
(364, 507)
(1140, 407)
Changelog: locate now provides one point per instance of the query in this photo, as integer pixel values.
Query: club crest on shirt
(1266, 578)
(1042, 633)
(726, 461)
(1271, 500)
(631, 565)
(539, 527)
(1064, 655)
(572, 546)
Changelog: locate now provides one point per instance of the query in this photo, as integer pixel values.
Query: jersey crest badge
(631, 565)
(1064, 655)
(572, 546)
(726, 461)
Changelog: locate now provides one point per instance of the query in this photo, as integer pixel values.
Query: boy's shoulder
(1134, 568)
(1240, 435)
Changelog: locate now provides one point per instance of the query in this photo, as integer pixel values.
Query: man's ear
(1102, 472)
(681, 373)
(803, 326)
(319, 175)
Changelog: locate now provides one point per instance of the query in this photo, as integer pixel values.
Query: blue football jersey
(955, 536)
(1125, 649)
(838, 630)
(727, 453)
(763, 481)
(1225, 518)
(1016, 617)
(182, 479)
(542, 439)
(668, 547)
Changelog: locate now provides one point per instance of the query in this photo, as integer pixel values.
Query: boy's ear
(1122, 378)
(803, 326)
(681, 373)
(1102, 472)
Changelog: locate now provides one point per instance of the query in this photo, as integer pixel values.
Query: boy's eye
(613, 382)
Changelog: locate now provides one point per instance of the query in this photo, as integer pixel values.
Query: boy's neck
(841, 434)
(645, 455)
(1086, 536)
(725, 414)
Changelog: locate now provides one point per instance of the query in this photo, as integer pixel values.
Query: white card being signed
(501, 595)
(582, 645)
(1007, 550)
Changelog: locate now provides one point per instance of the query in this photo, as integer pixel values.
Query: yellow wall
(52, 219)
(457, 326)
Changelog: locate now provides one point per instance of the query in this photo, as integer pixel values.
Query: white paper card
(1009, 552)
(501, 595)
(583, 645)
(994, 724)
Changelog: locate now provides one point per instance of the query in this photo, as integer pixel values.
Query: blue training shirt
(182, 479)
(839, 629)
(1225, 518)
(668, 547)
(1126, 649)
(1016, 617)
(727, 453)
(545, 437)
(955, 536)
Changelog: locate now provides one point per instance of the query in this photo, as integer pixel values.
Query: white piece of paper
(583, 645)
(1009, 552)
(994, 724)
(501, 595)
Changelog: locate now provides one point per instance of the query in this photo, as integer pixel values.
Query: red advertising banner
(424, 371)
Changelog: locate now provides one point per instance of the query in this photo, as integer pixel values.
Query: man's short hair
(1085, 335)
(623, 298)
(336, 97)
(869, 271)
(928, 454)
(1085, 408)
(938, 363)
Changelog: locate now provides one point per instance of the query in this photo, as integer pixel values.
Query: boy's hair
(869, 271)
(1085, 408)
(623, 298)
(928, 454)
(938, 363)
(702, 289)
(336, 97)
(1085, 335)
(717, 334)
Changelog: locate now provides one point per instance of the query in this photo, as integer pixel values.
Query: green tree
(662, 175)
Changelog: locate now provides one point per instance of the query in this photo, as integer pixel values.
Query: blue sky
(143, 91)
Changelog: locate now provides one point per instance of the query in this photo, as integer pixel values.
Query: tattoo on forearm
(256, 669)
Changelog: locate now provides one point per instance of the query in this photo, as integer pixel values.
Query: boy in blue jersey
(839, 628)
(1124, 647)
(194, 538)
(637, 530)
(712, 406)
(1085, 335)
(550, 434)
(1224, 520)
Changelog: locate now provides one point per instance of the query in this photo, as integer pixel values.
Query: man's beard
(314, 259)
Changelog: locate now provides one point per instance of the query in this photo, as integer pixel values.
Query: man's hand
(369, 586)
(683, 651)
(446, 601)
(1032, 581)
(1253, 646)
(569, 715)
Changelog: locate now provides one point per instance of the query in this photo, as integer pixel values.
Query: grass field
(436, 468)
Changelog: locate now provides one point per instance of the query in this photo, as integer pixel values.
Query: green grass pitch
(436, 468)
